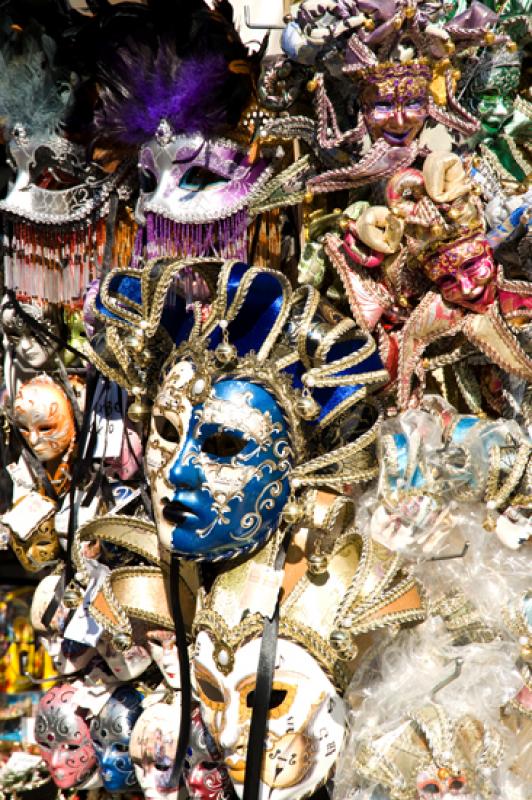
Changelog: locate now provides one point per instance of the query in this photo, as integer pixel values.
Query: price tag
(108, 409)
(24, 518)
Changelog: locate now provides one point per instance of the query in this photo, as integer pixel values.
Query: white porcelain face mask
(163, 650)
(125, 665)
(152, 749)
(306, 722)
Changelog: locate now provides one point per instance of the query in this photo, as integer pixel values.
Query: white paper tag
(28, 730)
(21, 762)
(262, 589)
(84, 514)
(82, 627)
(21, 476)
(26, 516)
(108, 409)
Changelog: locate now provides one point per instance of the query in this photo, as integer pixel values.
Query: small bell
(306, 406)
(225, 353)
(292, 512)
(71, 596)
(317, 564)
(122, 641)
(139, 410)
(340, 641)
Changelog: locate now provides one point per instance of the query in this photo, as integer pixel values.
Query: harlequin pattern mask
(465, 273)
(153, 747)
(64, 739)
(218, 469)
(305, 728)
(44, 417)
(395, 103)
(111, 732)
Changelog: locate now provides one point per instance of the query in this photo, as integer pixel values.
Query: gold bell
(72, 596)
(225, 353)
(139, 410)
(450, 47)
(398, 23)
(317, 564)
(312, 85)
(511, 47)
(121, 641)
(292, 512)
(410, 12)
(489, 37)
(307, 407)
(309, 197)
(344, 224)
(369, 25)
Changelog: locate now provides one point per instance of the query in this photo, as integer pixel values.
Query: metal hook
(23, 665)
(255, 26)
(453, 555)
(458, 664)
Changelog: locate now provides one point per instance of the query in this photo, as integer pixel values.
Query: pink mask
(64, 739)
(465, 273)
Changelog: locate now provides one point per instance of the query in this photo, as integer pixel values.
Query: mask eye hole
(210, 693)
(166, 429)
(121, 748)
(197, 179)
(223, 445)
(456, 784)
(277, 697)
(430, 787)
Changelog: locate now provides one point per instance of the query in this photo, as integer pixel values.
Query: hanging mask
(40, 549)
(218, 469)
(493, 88)
(76, 337)
(30, 349)
(162, 646)
(127, 664)
(111, 732)
(153, 748)
(465, 272)
(395, 103)
(17, 642)
(64, 738)
(315, 655)
(44, 417)
(204, 773)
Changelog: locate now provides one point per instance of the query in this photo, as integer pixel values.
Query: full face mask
(44, 417)
(153, 747)
(40, 549)
(315, 655)
(465, 272)
(395, 103)
(64, 738)
(162, 646)
(237, 403)
(223, 481)
(110, 732)
(125, 664)
(29, 350)
(493, 88)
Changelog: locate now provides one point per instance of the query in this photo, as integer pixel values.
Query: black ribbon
(263, 690)
(184, 671)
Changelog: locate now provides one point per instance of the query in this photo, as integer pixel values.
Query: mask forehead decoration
(403, 70)
(431, 755)
(64, 738)
(55, 211)
(45, 418)
(111, 733)
(287, 363)
(316, 653)
(189, 104)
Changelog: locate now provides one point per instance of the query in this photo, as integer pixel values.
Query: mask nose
(466, 284)
(33, 438)
(232, 730)
(24, 343)
(56, 758)
(184, 473)
(399, 116)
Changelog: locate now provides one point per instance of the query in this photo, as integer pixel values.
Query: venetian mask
(30, 350)
(204, 774)
(395, 103)
(76, 337)
(111, 732)
(196, 182)
(440, 784)
(40, 549)
(465, 272)
(44, 417)
(306, 720)
(153, 747)
(125, 665)
(493, 90)
(162, 646)
(219, 468)
(64, 739)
